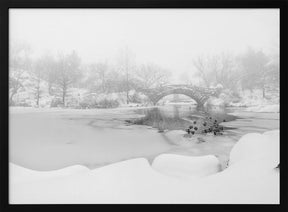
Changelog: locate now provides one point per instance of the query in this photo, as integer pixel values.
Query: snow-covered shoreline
(251, 178)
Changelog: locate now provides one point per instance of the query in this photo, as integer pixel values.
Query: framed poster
(122, 103)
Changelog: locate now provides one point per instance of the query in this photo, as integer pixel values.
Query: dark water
(180, 117)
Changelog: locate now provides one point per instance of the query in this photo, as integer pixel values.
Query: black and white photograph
(144, 106)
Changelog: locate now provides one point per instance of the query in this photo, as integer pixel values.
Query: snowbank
(186, 166)
(258, 150)
(251, 178)
(21, 174)
(265, 108)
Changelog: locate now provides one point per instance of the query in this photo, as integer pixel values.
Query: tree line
(251, 70)
(66, 71)
(58, 74)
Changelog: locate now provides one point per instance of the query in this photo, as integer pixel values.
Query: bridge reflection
(178, 117)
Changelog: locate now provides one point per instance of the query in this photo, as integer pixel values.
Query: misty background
(195, 98)
(62, 57)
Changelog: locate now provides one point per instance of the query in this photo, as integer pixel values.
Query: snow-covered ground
(251, 178)
(251, 101)
(254, 102)
(265, 108)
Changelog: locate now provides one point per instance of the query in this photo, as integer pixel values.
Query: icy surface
(39, 137)
(47, 139)
(135, 181)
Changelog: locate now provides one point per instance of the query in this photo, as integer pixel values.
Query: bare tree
(68, 73)
(39, 71)
(218, 69)
(203, 70)
(49, 66)
(152, 76)
(19, 66)
(256, 74)
(98, 76)
(127, 68)
(273, 71)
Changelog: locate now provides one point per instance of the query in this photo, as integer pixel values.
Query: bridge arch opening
(176, 98)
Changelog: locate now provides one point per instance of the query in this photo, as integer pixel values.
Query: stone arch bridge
(199, 94)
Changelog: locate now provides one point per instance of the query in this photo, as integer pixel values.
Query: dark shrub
(56, 102)
(88, 103)
(105, 103)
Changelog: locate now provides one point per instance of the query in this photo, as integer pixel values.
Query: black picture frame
(4, 85)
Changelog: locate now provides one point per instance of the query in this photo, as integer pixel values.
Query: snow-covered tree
(19, 66)
(255, 73)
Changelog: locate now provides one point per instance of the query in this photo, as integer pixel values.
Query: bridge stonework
(199, 94)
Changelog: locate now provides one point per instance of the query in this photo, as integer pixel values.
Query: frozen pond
(49, 139)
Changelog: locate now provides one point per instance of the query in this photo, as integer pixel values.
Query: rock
(200, 140)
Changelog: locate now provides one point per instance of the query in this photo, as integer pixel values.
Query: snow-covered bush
(45, 101)
(72, 102)
(215, 102)
(135, 98)
(23, 104)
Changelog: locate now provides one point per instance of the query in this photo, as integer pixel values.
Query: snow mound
(128, 181)
(186, 166)
(258, 150)
(21, 174)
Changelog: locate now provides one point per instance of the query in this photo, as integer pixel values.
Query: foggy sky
(170, 38)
